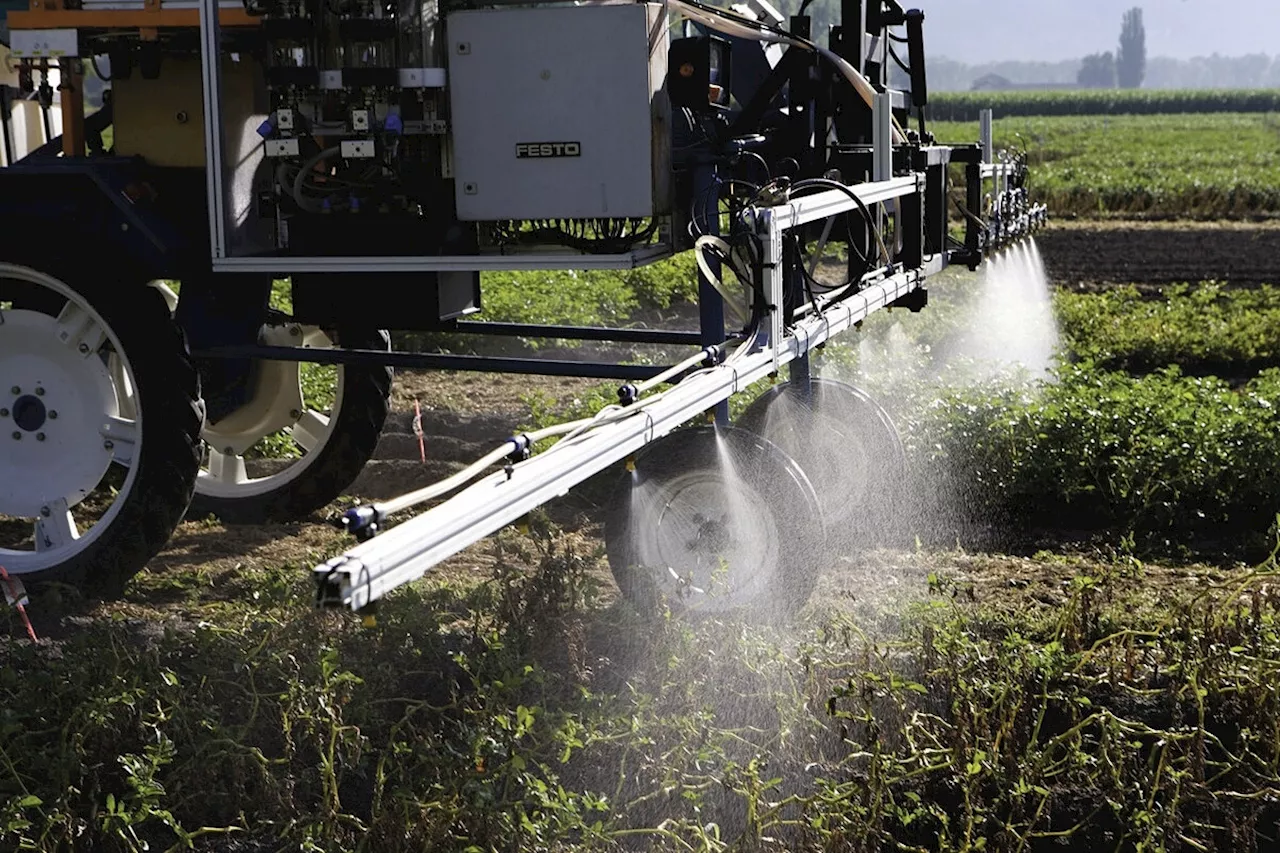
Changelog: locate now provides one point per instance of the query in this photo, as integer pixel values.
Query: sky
(977, 31)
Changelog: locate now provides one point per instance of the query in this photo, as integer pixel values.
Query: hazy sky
(993, 30)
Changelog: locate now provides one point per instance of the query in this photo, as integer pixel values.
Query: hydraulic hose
(718, 20)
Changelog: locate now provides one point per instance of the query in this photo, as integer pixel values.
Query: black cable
(905, 70)
(855, 279)
(768, 175)
(93, 62)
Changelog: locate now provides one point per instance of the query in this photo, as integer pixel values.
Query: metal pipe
(578, 333)
(404, 553)
(438, 361)
(5, 130)
(985, 134)
(211, 77)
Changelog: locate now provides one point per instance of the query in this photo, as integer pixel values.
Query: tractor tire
(847, 445)
(706, 499)
(343, 443)
(69, 442)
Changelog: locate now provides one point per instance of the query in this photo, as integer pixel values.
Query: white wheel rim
(710, 541)
(70, 425)
(277, 406)
(831, 452)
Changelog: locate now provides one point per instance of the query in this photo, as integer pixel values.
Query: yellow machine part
(162, 120)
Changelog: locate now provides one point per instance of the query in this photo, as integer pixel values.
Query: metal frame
(406, 552)
(214, 140)
(442, 263)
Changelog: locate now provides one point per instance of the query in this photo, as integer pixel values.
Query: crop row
(965, 106)
(1216, 166)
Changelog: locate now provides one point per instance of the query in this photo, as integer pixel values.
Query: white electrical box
(560, 112)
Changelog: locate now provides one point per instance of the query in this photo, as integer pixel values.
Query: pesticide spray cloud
(992, 331)
(1010, 324)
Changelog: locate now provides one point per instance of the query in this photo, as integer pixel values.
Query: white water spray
(1010, 323)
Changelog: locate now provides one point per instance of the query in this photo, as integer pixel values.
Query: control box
(560, 112)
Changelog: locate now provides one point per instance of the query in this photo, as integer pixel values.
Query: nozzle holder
(523, 449)
(362, 522)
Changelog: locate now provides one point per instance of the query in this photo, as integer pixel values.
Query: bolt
(39, 391)
(17, 436)
(108, 444)
(295, 331)
(15, 389)
(295, 414)
(39, 436)
(227, 451)
(44, 510)
(53, 414)
(84, 349)
(4, 413)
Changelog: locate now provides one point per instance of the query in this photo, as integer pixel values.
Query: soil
(1092, 255)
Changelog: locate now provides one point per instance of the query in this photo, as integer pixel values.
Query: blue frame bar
(436, 361)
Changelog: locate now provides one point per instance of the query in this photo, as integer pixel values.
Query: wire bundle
(592, 236)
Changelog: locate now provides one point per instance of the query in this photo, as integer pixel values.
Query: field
(1211, 166)
(1070, 644)
(966, 106)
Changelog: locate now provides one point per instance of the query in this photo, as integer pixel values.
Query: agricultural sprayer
(381, 156)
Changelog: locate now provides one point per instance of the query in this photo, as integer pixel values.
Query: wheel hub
(56, 403)
(712, 536)
(707, 522)
(29, 413)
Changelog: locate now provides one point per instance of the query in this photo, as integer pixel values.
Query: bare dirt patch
(1090, 255)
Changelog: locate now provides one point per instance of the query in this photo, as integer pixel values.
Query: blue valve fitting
(362, 522)
(523, 448)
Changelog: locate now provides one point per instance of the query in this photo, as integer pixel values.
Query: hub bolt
(108, 444)
(295, 414)
(17, 436)
(84, 349)
(39, 436)
(15, 389)
(4, 413)
(39, 391)
(53, 414)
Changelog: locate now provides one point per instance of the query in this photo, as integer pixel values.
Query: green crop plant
(965, 106)
(1161, 166)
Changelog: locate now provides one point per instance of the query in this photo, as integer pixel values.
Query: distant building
(997, 83)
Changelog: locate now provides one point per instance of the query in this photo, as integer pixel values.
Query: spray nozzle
(362, 522)
(522, 451)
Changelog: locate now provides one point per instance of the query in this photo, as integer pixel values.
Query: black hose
(93, 61)
(854, 280)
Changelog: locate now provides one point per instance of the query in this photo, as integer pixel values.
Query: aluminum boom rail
(407, 551)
